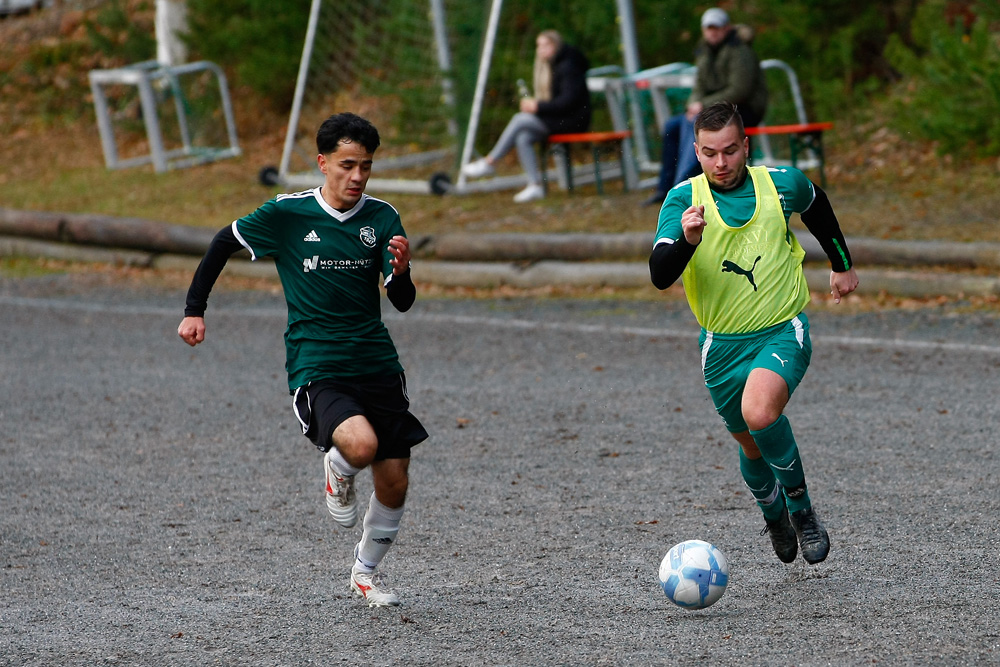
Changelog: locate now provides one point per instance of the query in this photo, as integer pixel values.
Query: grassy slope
(894, 192)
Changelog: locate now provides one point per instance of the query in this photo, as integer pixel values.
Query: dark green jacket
(731, 72)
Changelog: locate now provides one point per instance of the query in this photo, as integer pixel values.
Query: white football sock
(341, 465)
(381, 526)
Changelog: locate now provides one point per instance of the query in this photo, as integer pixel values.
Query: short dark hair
(349, 126)
(717, 116)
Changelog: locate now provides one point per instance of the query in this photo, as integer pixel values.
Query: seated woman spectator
(561, 104)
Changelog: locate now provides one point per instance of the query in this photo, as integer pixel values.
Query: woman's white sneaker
(478, 169)
(530, 193)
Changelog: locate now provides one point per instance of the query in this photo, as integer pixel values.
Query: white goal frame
(440, 182)
(313, 177)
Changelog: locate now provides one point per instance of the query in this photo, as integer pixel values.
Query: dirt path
(160, 507)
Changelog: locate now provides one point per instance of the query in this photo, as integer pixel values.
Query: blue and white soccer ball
(694, 574)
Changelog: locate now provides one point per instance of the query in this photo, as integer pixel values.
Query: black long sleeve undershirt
(822, 223)
(668, 260)
(401, 291)
(400, 288)
(222, 247)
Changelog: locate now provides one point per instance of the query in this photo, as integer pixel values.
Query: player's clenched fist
(192, 330)
(693, 223)
(843, 283)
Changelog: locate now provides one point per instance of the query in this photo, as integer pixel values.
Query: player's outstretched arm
(192, 327)
(822, 223)
(192, 330)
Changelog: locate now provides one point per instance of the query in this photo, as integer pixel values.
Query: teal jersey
(329, 264)
(737, 206)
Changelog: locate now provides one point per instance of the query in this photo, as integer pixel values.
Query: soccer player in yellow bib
(725, 233)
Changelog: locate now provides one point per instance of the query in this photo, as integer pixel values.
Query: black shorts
(323, 405)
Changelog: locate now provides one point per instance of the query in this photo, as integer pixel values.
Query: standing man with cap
(728, 71)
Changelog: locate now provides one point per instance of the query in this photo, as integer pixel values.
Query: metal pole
(300, 89)
(630, 55)
(477, 101)
(626, 26)
(104, 126)
(148, 101)
(444, 62)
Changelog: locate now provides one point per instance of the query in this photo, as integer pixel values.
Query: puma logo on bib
(733, 267)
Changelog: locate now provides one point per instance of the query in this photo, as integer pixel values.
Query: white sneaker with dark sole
(368, 585)
(340, 498)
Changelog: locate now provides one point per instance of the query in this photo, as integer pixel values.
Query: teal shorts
(727, 359)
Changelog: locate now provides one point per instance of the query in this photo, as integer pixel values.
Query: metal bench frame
(596, 140)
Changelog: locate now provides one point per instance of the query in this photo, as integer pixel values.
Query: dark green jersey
(329, 264)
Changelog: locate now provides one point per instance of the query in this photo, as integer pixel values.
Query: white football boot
(370, 586)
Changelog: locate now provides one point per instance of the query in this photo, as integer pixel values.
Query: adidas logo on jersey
(312, 236)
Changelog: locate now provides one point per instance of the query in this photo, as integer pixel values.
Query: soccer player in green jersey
(725, 232)
(330, 244)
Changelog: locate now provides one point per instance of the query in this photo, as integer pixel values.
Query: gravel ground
(160, 506)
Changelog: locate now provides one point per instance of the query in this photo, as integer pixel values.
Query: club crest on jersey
(368, 236)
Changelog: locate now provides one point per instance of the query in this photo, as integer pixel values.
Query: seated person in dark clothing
(561, 104)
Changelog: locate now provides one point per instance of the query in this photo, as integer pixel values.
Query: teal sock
(763, 486)
(778, 448)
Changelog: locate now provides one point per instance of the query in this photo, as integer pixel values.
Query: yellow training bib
(744, 279)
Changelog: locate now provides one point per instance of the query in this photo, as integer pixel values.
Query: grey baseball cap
(714, 17)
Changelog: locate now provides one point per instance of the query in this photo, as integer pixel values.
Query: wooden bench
(802, 137)
(595, 140)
